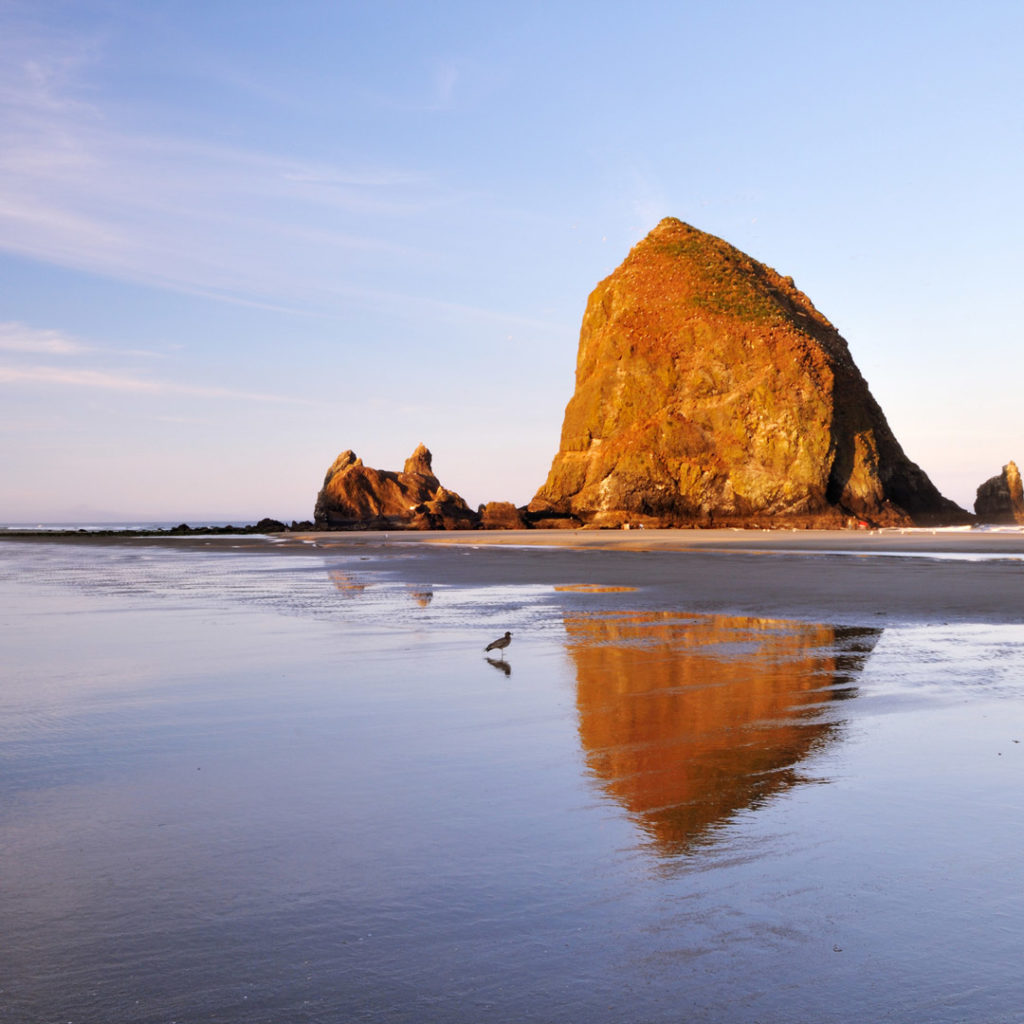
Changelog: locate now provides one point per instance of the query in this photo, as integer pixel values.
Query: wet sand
(823, 576)
(881, 577)
(263, 779)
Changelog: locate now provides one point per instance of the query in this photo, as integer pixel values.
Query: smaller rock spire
(420, 462)
(1000, 499)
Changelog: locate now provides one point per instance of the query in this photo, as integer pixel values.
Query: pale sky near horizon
(237, 238)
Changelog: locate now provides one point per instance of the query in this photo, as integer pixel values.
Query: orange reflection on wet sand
(346, 583)
(350, 585)
(686, 719)
(593, 588)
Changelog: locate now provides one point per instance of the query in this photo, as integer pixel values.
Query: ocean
(93, 526)
(245, 786)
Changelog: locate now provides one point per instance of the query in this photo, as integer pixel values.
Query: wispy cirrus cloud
(82, 187)
(446, 77)
(17, 337)
(68, 353)
(106, 380)
(48, 341)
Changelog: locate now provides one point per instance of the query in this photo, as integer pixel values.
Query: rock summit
(710, 391)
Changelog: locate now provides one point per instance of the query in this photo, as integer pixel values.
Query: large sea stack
(710, 391)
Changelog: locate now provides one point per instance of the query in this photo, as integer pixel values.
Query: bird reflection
(685, 720)
(500, 663)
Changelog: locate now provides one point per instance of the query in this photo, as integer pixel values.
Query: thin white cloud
(431, 93)
(126, 383)
(446, 75)
(82, 188)
(47, 341)
(16, 337)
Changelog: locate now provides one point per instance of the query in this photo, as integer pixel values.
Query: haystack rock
(710, 391)
(1001, 499)
(356, 497)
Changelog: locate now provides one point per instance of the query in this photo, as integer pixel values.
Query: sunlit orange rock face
(357, 497)
(710, 391)
(685, 720)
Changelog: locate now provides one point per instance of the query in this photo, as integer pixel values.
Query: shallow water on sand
(245, 787)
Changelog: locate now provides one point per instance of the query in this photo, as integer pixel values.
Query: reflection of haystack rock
(356, 497)
(685, 720)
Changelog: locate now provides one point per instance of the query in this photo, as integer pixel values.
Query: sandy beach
(911, 576)
(716, 776)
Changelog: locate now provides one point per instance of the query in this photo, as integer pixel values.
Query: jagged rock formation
(356, 497)
(710, 391)
(1000, 499)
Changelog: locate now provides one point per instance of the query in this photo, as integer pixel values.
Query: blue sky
(237, 238)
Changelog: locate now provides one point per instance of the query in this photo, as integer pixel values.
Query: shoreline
(842, 577)
(896, 540)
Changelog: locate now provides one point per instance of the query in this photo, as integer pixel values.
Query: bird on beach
(500, 644)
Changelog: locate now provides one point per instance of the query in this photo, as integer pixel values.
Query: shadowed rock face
(709, 390)
(355, 496)
(1001, 498)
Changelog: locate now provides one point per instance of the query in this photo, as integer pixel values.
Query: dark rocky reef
(264, 526)
(1000, 499)
(710, 392)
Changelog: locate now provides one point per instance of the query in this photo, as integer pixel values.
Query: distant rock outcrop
(1000, 499)
(710, 391)
(501, 515)
(356, 497)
